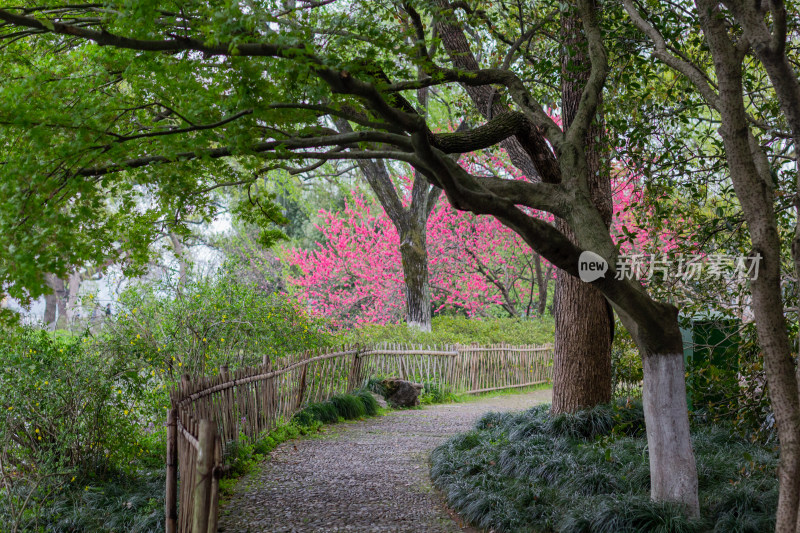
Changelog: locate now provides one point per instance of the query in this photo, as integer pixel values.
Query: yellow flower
(138, 336)
(126, 412)
(73, 479)
(39, 437)
(152, 372)
(46, 382)
(10, 407)
(37, 430)
(222, 339)
(204, 339)
(180, 364)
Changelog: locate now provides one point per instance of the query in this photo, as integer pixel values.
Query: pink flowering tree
(476, 265)
(634, 227)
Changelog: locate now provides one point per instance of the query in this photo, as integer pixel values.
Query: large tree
(173, 89)
(732, 31)
(584, 319)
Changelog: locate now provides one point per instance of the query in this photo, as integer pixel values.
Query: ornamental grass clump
(348, 406)
(588, 472)
(341, 406)
(370, 403)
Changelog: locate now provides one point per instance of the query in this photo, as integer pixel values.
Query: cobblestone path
(365, 476)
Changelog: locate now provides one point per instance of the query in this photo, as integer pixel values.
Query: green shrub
(209, 323)
(341, 406)
(457, 330)
(324, 412)
(69, 408)
(626, 365)
(435, 393)
(588, 472)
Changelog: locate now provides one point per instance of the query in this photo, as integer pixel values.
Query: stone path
(366, 476)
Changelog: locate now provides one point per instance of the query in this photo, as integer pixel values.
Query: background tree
(477, 266)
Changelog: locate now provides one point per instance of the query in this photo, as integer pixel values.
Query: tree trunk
(73, 286)
(582, 351)
(54, 303)
(754, 188)
(673, 474)
(783, 374)
(414, 254)
(411, 224)
(50, 300)
(583, 322)
(183, 267)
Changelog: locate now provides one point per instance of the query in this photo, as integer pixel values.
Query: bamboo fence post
(505, 363)
(402, 362)
(269, 393)
(352, 379)
(450, 371)
(229, 420)
(302, 387)
(205, 467)
(171, 505)
(214, 499)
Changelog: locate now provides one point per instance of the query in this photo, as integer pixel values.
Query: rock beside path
(401, 393)
(366, 476)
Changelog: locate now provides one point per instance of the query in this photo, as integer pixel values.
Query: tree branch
(695, 75)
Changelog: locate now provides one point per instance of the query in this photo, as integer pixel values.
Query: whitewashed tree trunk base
(673, 474)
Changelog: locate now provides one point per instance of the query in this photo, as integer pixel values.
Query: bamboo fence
(209, 415)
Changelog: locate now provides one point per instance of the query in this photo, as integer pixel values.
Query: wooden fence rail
(209, 415)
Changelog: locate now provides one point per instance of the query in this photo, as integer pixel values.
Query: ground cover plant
(588, 472)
